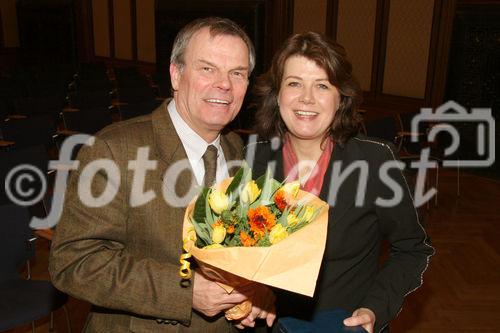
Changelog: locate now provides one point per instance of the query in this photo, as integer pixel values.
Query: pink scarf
(315, 181)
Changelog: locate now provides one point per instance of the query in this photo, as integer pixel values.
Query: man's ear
(175, 75)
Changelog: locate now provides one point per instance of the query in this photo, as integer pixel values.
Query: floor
(461, 290)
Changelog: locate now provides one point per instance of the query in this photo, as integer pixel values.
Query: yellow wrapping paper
(292, 264)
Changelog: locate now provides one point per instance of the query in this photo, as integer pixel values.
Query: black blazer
(351, 276)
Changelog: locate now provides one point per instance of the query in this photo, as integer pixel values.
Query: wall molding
(278, 26)
(442, 22)
(442, 28)
(332, 14)
(282, 12)
(84, 30)
(2, 42)
(133, 30)
(380, 47)
(111, 28)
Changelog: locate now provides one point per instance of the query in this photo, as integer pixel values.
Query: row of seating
(24, 300)
(33, 125)
(26, 92)
(397, 129)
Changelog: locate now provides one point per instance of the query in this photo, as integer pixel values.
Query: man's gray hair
(218, 26)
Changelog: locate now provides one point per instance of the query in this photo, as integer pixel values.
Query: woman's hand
(362, 316)
(263, 299)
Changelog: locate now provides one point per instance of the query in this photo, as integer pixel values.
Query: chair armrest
(66, 132)
(408, 133)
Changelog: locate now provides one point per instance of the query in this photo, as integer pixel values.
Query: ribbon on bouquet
(185, 270)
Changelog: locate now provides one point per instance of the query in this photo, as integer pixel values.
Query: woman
(308, 100)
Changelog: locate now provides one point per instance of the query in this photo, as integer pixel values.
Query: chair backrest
(138, 109)
(90, 99)
(126, 73)
(88, 121)
(136, 95)
(92, 71)
(385, 128)
(49, 104)
(29, 131)
(407, 145)
(15, 247)
(4, 111)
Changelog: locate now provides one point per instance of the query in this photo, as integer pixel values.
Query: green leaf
(260, 181)
(226, 216)
(202, 236)
(269, 186)
(264, 241)
(235, 241)
(200, 206)
(236, 180)
(243, 209)
(208, 212)
(283, 218)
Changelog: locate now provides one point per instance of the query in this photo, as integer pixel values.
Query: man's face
(211, 85)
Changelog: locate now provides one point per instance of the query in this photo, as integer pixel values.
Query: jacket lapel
(265, 157)
(346, 191)
(170, 150)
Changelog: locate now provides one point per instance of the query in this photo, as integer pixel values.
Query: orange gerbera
(246, 240)
(280, 200)
(230, 229)
(260, 219)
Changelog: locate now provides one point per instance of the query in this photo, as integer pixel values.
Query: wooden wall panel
(100, 21)
(309, 15)
(9, 23)
(407, 51)
(1, 29)
(122, 29)
(356, 31)
(146, 50)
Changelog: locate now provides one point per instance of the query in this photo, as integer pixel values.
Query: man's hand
(362, 316)
(262, 299)
(210, 299)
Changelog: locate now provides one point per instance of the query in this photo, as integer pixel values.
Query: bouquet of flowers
(258, 230)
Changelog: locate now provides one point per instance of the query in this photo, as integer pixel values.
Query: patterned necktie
(210, 161)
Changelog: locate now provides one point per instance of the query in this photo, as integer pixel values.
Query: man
(123, 256)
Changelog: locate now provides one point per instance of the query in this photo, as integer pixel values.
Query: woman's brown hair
(328, 55)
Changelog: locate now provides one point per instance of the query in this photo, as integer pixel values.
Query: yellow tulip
(292, 219)
(277, 234)
(308, 214)
(250, 192)
(291, 188)
(218, 201)
(213, 246)
(218, 233)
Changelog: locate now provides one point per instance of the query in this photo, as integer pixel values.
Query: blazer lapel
(345, 196)
(265, 157)
(170, 150)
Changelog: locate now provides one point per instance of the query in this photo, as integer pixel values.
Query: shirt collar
(194, 145)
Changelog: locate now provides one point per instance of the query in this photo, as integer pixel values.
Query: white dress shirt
(195, 146)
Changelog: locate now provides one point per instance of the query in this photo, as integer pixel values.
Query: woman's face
(307, 99)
